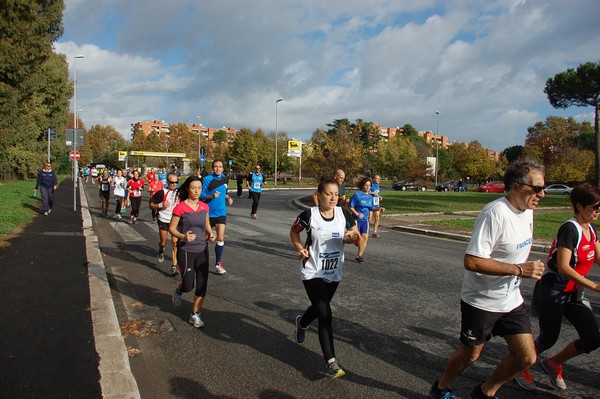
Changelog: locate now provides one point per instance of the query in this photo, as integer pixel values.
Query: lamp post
(437, 145)
(276, 102)
(75, 163)
(199, 135)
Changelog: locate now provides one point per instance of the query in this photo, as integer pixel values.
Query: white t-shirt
(505, 234)
(166, 213)
(119, 184)
(326, 250)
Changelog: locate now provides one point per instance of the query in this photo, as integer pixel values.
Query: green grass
(432, 201)
(545, 224)
(17, 206)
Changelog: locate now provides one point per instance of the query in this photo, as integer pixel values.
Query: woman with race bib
(135, 187)
(328, 227)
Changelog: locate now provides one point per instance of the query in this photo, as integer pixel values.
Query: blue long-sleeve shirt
(46, 179)
(210, 185)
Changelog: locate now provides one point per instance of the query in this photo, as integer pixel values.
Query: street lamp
(75, 163)
(276, 102)
(437, 145)
(199, 135)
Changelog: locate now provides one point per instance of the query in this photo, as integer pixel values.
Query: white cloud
(483, 65)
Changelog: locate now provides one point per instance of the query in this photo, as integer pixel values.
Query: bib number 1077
(329, 263)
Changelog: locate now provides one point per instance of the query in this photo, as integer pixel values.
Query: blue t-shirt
(362, 203)
(375, 189)
(162, 176)
(256, 182)
(210, 185)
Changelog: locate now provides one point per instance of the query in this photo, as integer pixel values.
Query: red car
(492, 187)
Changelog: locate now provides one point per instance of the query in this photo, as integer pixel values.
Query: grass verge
(17, 207)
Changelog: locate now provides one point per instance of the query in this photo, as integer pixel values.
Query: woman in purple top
(190, 225)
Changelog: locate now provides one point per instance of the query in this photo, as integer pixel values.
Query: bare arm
(492, 267)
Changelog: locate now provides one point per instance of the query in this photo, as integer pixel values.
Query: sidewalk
(46, 335)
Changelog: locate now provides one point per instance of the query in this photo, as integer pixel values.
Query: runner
(47, 183)
(104, 183)
(339, 177)
(376, 209)
(135, 187)
(328, 227)
(164, 201)
(94, 174)
(214, 193)
(491, 303)
(86, 174)
(560, 291)
(190, 224)
(162, 176)
(154, 185)
(255, 183)
(119, 183)
(360, 206)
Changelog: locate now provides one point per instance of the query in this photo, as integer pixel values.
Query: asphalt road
(396, 317)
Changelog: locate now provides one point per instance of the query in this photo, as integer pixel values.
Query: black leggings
(119, 200)
(136, 203)
(552, 305)
(320, 294)
(193, 267)
(255, 198)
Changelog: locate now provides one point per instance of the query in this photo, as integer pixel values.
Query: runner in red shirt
(135, 186)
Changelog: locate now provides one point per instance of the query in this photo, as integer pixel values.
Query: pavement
(59, 334)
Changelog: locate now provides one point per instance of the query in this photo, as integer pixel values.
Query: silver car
(562, 189)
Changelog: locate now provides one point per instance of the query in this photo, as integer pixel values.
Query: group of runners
(495, 262)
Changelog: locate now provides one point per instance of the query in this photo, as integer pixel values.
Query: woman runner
(191, 226)
(328, 227)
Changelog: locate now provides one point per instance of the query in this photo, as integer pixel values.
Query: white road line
(127, 233)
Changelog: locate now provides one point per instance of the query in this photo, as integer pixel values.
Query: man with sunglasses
(255, 183)
(214, 193)
(491, 303)
(164, 201)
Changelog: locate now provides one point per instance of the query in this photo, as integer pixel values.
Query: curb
(116, 378)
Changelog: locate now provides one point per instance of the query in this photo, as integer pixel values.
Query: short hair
(517, 172)
(217, 160)
(325, 182)
(584, 194)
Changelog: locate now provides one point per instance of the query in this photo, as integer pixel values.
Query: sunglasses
(536, 189)
(173, 182)
(596, 206)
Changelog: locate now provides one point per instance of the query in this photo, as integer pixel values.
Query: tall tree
(579, 87)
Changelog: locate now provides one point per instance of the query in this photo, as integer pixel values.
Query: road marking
(127, 232)
(243, 230)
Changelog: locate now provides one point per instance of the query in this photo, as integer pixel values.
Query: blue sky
(481, 64)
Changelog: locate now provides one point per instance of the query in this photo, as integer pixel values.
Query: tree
(244, 151)
(409, 130)
(579, 87)
(514, 153)
(395, 156)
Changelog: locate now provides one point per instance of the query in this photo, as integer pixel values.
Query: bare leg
(460, 360)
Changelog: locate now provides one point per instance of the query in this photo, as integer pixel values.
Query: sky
(482, 64)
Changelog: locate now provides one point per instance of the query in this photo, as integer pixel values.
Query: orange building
(162, 127)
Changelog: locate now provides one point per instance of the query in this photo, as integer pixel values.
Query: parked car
(496, 186)
(411, 185)
(450, 185)
(562, 189)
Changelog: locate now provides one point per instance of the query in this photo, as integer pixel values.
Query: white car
(558, 189)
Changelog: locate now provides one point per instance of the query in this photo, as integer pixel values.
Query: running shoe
(333, 370)
(219, 268)
(253, 216)
(46, 213)
(49, 210)
(436, 393)
(476, 393)
(196, 320)
(554, 372)
(359, 259)
(177, 297)
(299, 332)
(161, 255)
(376, 235)
(153, 220)
(134, 220)
(526, 381)
(174, 270)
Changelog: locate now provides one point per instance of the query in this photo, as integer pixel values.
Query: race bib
(137, 193)
(375, 202)
(256, 184)
(104, 187)
(329, 260)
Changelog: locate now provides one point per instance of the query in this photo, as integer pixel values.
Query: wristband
(520, 270)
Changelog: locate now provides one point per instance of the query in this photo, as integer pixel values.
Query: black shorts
(478, 326)
(105, 194)
(218, 220)
(162, 225)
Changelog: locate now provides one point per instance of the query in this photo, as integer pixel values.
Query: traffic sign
(74, 155)
(202, 159)
(230, 162)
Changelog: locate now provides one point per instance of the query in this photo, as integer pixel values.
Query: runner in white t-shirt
(119, 183)
(164, 201)
(491, 301)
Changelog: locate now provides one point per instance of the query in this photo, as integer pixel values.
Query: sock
(219, 250)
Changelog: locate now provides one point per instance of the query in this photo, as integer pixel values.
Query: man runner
(214, 193)
(164, 202)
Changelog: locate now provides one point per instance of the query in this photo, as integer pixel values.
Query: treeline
(34, 85)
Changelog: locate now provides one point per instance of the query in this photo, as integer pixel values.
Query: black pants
(193, 268)
(320, 294)
(239, 190)
(255, 199)
(136, 203)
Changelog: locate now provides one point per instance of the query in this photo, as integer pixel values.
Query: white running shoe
(219, 268)
(196, 320)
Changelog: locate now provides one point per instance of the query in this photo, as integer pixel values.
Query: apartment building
(160, 126)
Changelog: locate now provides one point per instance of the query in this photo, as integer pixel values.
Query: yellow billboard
(294, 145)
